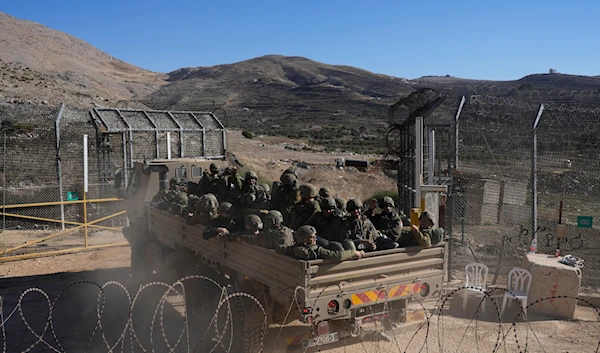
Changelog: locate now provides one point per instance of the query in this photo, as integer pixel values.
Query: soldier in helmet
(224, 224)
(359, 229)
(263, 197)
(340, 205)
(306, 247)
(285, 195)
(387, 222)
(291, 170)
(251, 234)
(249, 185)
(305, 208)
(323, 194)
(277, 236)
(208, 183)
(424, 235)
(327, 223)
(206, 210)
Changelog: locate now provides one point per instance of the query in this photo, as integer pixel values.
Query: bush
(248, 134)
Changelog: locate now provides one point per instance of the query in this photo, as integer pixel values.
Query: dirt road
(73, 296)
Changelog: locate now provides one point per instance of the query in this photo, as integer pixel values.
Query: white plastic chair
(476, 282)
(519, 281)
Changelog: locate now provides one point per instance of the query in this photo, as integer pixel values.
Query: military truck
(378, 293)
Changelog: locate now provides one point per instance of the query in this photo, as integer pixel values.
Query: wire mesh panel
(492, 197)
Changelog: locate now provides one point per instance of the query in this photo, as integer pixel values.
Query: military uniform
(408, 238)
(301, 213)
(388, 223)
(219, 222)
(313, 252)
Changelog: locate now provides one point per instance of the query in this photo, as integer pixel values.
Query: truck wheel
(248, 334)
(201, 296)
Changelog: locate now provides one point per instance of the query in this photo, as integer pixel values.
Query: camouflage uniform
(206, 210)
(285, 195)
(409, 238)
(209, 181)
(328, 225)
(387, 222)
(360, 229)
(277, 236)
(305, 208)
(224, 220)
(305, 251)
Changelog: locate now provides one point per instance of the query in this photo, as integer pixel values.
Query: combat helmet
(308, 190)
(354, 204)
(387, 201)
(303, 233)
(253, 221)
(288, 180)
(273, 218)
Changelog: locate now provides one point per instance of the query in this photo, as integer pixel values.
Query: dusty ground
(75, 315)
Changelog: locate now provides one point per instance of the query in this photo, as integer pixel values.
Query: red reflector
(323, 328)
(309, 319)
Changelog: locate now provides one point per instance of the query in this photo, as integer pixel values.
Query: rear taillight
(424, 290)
(323, 328)
(333, 307)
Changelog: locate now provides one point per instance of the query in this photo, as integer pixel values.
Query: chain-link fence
(511, 179)
(42, 165)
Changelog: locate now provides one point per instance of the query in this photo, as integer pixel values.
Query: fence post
(460, 107)
(534, 172)
(59, 165)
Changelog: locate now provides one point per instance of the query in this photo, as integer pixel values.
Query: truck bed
(381, 276)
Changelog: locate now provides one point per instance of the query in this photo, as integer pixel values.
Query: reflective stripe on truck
(379, 295)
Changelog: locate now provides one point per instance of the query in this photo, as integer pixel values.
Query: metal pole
(534, 175)
(85, 188)
(4, 183)
(418, 160)
(460, 107)
(59, 165)
(125, 169)
(431, 156)
(168, 145)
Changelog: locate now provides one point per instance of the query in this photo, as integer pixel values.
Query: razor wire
(433, 328)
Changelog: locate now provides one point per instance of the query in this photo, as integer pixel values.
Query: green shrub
(248, 134)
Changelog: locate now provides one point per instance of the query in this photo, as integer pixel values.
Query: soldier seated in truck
(306, 247)
(425, 234)
(357, 228)
(387, 222)
(224, 224)
(253, 227)
(328, 223)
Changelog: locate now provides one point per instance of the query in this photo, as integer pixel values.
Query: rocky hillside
(45, 65)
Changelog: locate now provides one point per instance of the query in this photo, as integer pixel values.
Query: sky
(484, 39)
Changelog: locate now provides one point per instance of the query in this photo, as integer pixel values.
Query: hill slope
(40, 63)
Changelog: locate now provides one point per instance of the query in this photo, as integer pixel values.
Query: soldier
(387, 222)
(206, 210)
(286, 195)
(223, 224)
(209, 181)
(306, 247)
(305, 208)
(253, 225)
(424, 234)
(327, 223)
(277, 236)
(340, 206)
(178, 200)
(323, 194)
(358, 228)
(249, 184)
(263, 197)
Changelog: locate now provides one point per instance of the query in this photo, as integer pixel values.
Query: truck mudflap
(367, 327)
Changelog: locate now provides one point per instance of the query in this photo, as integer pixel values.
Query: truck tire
(248, 336)
(201, 295)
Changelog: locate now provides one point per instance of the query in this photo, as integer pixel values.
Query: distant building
(553, 71)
